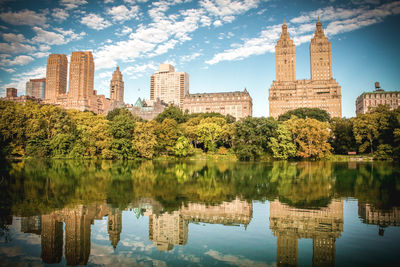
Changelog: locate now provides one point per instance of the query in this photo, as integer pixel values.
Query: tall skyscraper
(321, 91)
(36, 88)
(169, 86)
(56, 77)
(321, 55)
(81, 77)
(285, 57)
(117, 87)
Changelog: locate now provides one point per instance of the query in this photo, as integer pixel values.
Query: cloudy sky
(224, 45)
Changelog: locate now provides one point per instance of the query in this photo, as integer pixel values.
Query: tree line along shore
(33, 130)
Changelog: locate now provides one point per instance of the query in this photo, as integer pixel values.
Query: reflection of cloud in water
(137, 245)
(235, 260)
(103, 255)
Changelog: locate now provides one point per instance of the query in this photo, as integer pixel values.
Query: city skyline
(212, 41)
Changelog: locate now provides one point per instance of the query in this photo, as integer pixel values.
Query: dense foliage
(32, 130)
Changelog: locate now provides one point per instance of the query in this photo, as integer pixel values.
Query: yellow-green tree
(144, 139)
(310, 136)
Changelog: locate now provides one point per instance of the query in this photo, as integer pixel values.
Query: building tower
(81, 77)
(169, 86)
(117, 87)
(56, 77)
(321, 55)
(285, 57)
(36, 88)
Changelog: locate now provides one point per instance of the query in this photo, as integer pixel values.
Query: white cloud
(105, 74)
(95, 22)
(19, 60)
(137, 71)
(217, 23)
(122, 13)
(154, 39)
(47, 37)
(59, 14)
(191, 57)
(124, 31)
(72, 4)
(226, 9)
(24, 17)
(41, 54)
(338, 20)
(108, 1)
(11, 37)
(15, 48)
(10, 70)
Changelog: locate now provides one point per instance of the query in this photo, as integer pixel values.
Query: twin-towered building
(81, 94)
(321, 91)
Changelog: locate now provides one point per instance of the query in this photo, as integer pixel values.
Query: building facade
(148, 110)
(81, 79)
(169, 86)
(237, 104)
(56, 77)
(321, 91)
(370, 100)
(36, 88)
(117, 87)
(11, 92)
(81, 94)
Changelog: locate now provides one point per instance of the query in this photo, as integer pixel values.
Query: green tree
(302, 113)
(342, 140)
(282, 146)
(252, 135)
(172, 112)
(366, 131)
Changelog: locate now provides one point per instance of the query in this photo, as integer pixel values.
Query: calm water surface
(199, 213)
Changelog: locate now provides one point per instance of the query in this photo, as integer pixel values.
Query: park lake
(199, 213)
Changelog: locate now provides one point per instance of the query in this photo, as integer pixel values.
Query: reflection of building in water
(167, 230)
(235, 212)
(51, 239)
(171, 229)
(383, 218)
(114, 226)
(323, 226)
(78, 223)
(31, 224)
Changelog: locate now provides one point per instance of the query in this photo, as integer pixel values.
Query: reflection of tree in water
(36, 186)
(305, 184)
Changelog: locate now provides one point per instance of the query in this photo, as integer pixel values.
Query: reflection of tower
(114, 226)
(77, 235)
(167, 230)
(52, 239)
(380, 217)
(323, 226)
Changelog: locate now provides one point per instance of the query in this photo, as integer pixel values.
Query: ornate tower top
(319, 32)
(117, 87)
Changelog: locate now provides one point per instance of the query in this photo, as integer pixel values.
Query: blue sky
(224, 45)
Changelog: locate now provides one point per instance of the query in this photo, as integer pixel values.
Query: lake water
(200, 213)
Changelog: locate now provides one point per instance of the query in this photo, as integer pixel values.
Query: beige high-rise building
(36, 88)
(169, 86)
(321, 91)
(117, 87)
(81, 78)
(56, 77)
